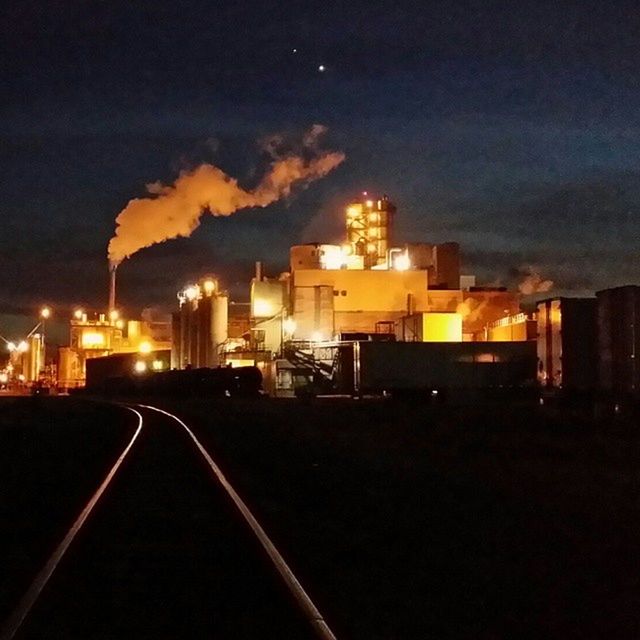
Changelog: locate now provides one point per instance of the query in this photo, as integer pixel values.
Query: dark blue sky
(513, 128)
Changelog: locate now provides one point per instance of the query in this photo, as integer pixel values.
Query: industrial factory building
(371, 315)
(302, 324)
(105, 335)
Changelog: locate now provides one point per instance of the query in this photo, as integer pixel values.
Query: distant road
(164, 554)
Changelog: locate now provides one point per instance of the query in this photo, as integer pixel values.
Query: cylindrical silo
(219, 325)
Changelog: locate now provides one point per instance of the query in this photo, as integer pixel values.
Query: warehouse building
(618, 339)
(566, 343)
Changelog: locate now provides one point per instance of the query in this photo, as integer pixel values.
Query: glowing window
(92, 339)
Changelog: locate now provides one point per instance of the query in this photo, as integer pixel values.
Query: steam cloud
(175, 210)
(470, 308)
(534, 283)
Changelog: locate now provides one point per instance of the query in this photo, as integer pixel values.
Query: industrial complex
(368, 315)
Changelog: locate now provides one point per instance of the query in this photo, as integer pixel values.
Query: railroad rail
(310, 612)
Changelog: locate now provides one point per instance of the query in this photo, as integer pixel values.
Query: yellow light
(402, 262)
(354, 210)
(77, 314)
(373, 233)
(289, 326)
(373, 217)
(240, 362)
(332, 258)
(369, 204)
(192, 292)
(209, 286)
(262, 308)
(371, 248)
(113, 315)
(442, 327)
(45, 312)
(11, 346)
(120, 324)
(145, 347)
(140, 366)
(23, 346)
(157, 365)
(4, 377)
(347, 249)
(92, 339)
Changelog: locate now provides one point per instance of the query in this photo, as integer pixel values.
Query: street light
(289, 327)
(45, 314)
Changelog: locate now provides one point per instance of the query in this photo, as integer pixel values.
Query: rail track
(165, 547)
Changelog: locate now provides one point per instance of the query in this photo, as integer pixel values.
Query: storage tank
(32, 358)
(305, 256)
(219, 326)
(176, 337)
(200, 326)
(70, 373)
(267, 298)
(185, 334)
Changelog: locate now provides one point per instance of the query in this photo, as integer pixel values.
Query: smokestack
(112, 288)
(258, 270)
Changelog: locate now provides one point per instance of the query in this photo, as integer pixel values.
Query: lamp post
(45, 314)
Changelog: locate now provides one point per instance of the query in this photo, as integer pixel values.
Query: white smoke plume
(471, 309)
(534, 283)
(175, 210)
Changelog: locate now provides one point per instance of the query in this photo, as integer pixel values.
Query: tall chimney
(258, 270)
(112, 288)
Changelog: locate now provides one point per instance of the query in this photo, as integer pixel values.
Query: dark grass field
(412, 521)
(54, 453)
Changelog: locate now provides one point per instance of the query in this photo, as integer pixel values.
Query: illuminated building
(364, 288)
(104, 335)
(369, 227)
(368, 286)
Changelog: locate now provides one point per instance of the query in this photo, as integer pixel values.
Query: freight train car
(123, 374)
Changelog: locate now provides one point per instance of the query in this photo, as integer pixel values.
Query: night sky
(512, 128)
